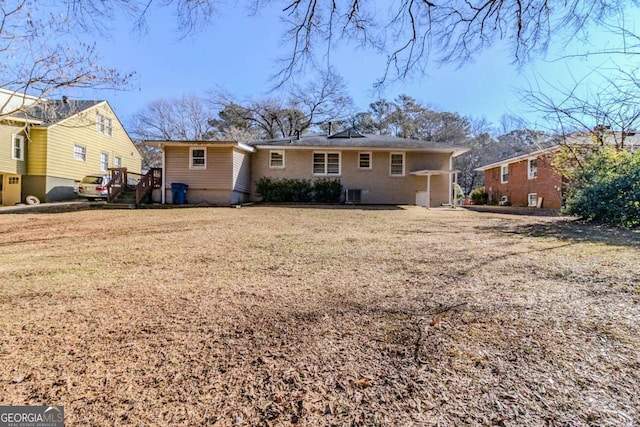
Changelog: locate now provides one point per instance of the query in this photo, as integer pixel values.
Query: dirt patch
(270, 316)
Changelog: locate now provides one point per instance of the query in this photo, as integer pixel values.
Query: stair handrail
(117, 183)
(152, 179)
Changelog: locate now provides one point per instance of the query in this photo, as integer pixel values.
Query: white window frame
(391, 155)
(99, 123)
(117, 161)
(104, 161)
(271, 163)
(325, 163)
(79, 153)
(503, 174)
(191, 158)
(103, 124)
(533, 196)
(19, 146)
(370, 160)
(532, 173)
(108, 125)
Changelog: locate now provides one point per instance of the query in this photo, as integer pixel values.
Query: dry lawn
(274, 316)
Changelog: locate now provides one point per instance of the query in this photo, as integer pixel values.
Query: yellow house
(48, 147)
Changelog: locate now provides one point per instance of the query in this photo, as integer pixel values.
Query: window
(104, 161)
(197, 158)
(100, 123)
(533, 199)
(504, 174)
(396, 164)
(13, 180)
(532, 168)
(276, 159)
(79, 153)
(107, 126)
(326, 163)
(117, 162)
(17, 150)
(364, 160)
(103, 124)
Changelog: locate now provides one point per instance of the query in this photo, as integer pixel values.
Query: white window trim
(502, 167)
(99, 123)
(271, 166)
(326, 163)
(103, 167)
(404, 164)
(529, 196)
(117, 161)
(84, 153)
(108, 126)
(370, 160)
(191, 165)
(529, 174)
(15, 138)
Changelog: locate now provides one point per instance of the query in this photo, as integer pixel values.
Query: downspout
(164, 175)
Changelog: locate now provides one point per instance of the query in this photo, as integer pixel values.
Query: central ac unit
(353, 196)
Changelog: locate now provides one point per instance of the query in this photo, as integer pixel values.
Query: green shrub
(299, 190)
(327, 190)
(607, 189)
(479, 196)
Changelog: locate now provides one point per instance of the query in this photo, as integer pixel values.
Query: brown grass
(270, 316)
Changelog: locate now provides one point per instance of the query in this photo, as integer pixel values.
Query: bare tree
(40, 54)
(608, 112)
(290, 111)
(182, 119)
(410, 33)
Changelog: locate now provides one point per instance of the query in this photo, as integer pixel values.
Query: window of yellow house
(79, 153)
(17, 151)
(104, 161)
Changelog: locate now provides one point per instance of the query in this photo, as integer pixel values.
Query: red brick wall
(547, 184)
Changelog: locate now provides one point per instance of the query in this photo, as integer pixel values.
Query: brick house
(525, 180)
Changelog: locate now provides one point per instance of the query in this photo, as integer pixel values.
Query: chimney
(329, 129)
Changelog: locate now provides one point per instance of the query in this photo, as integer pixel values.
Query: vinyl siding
(241, 171)
(81, 130)
(7, 164)
(37, 152)
(217, 176)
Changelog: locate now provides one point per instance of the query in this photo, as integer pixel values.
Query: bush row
(322, 190)
(607, 189)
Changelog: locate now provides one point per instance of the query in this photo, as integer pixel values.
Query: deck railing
(152, 179)
(117, 183)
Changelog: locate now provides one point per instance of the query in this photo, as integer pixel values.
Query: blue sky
(238, 54)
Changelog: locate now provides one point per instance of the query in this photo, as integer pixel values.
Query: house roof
(515, 159)
(173, 143)
(50, 112)
(352, 140)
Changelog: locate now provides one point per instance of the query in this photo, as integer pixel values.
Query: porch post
(428, 190)
(163, 197)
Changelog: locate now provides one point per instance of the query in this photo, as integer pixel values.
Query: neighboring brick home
(525, 180)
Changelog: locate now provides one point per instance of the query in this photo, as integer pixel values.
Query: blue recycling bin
(179, 193)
